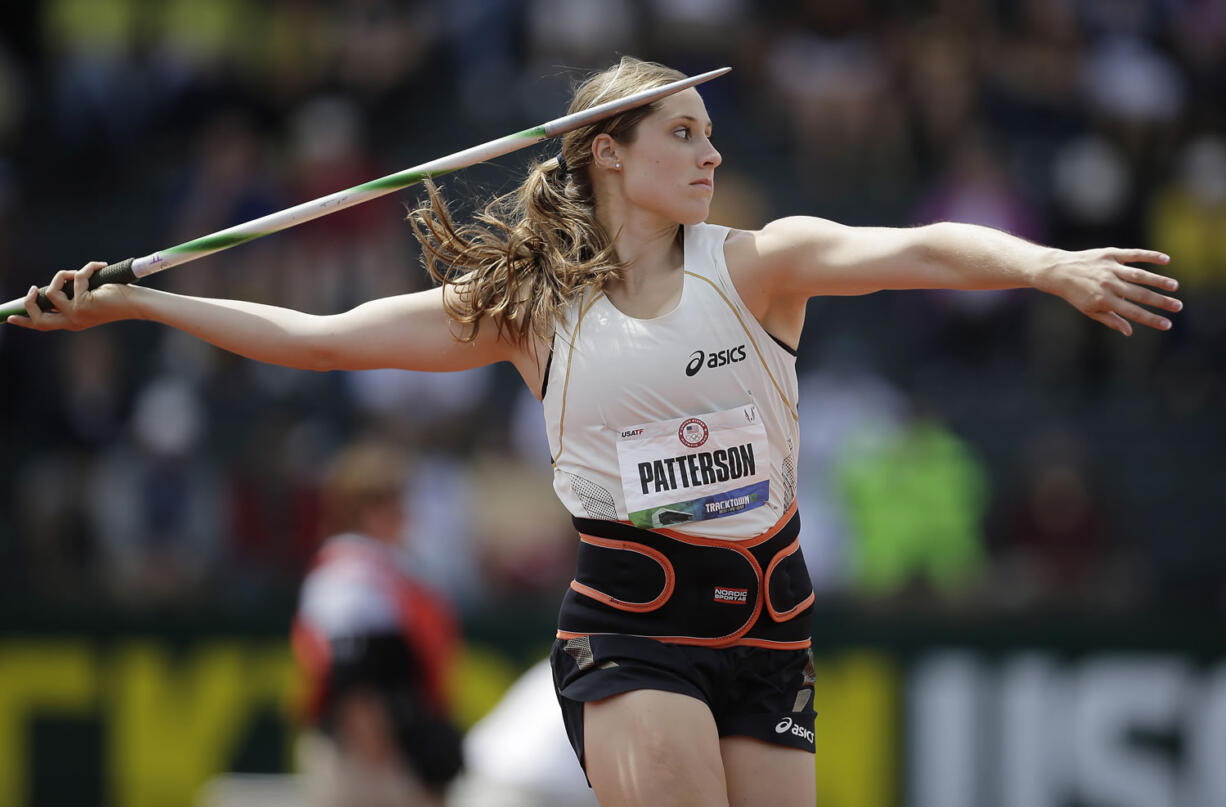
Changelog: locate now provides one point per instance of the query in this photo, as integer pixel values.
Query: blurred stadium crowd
(974, 451)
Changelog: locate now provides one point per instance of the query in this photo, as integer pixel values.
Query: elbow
(319, 358)
(936, 253)
(322, 347)
(933, 242)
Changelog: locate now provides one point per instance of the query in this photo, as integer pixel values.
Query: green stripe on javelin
(213, 242)
(402, 180)
(406, 178)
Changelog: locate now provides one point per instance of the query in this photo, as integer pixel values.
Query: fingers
(1133, 291)
(34, 313)
(1142, 277)
(25, 321)
(55, 291)
(1146, 297)
(1139, 256)
(80, 283)
(1142, 316)
(1113, 321)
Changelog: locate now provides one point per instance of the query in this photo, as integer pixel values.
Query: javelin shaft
(136, 268)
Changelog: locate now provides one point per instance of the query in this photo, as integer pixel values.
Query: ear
(605, 152)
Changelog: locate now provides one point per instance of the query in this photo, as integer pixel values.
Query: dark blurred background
(1014, 453)
(964, 454)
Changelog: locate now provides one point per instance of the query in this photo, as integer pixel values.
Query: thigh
(759, 773)
(649, 747)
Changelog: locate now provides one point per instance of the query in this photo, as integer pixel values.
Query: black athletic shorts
(751, 691)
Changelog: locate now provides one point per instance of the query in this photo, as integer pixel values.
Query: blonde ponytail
(533, 250)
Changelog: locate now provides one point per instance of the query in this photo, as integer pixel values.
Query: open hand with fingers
(85, 308)
(1100, 284)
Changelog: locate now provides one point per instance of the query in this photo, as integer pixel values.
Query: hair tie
(562, 163)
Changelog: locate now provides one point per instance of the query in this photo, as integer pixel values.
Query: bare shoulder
(742, 255)
(779, 241)
(762, 262)
(782, 238)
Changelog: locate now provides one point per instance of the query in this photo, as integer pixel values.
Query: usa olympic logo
(693, 432)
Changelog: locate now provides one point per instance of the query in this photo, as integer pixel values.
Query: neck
(647, 244)
(652, 280)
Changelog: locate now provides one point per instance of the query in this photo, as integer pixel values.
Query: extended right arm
(410, 331)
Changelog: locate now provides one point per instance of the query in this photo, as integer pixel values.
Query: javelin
(133, 269)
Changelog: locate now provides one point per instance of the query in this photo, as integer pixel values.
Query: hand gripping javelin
(133, 269)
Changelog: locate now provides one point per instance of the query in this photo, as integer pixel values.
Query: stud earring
(618, 166)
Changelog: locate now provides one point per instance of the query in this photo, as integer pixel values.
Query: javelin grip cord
(113, 273)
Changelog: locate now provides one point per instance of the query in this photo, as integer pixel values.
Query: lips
(703, 183)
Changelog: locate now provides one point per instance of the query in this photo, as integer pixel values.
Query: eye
(683, 132)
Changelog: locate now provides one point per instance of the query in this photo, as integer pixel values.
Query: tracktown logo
(786, 725)
(716, 358)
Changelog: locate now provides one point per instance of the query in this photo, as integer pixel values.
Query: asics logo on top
(716, 358)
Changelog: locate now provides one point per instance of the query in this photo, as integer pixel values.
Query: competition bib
(694, 468)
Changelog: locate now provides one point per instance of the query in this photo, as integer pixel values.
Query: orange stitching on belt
(670, 579)
(804, 644)
(786, 552)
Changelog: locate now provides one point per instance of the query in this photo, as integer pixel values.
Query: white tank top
(687, 420)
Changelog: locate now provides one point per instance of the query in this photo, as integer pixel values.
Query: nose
(711, 157)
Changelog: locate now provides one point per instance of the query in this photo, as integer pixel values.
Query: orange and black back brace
(683, 589)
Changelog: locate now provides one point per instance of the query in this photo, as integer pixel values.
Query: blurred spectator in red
(376, 646)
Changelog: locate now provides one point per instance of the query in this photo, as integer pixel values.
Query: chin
(683, 211)
(693, 214)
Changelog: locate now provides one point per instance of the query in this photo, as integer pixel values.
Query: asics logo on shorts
(786, 725)
(716, 358)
